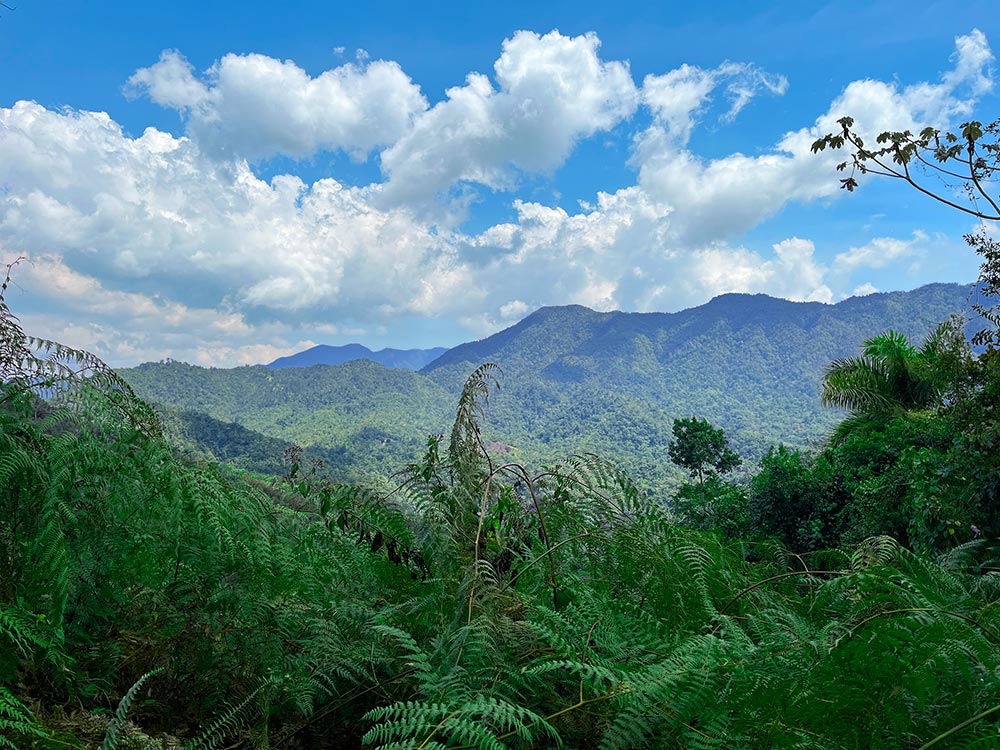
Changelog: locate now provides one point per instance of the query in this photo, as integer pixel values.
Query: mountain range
(575, 380)
(405, 359)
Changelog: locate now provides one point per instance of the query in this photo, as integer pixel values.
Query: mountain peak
(324, 354)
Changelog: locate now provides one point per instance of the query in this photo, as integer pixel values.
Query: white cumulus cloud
(678, 97)
(552, 91)
(175, 245)
(156, 207)
(717, 199)
(255, 106)
(878, 253)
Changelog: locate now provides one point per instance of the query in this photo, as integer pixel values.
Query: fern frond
(110, 741)
(226, 724)
(879, 550)
(480, 724)
(22, 631)
(466, 451)
(17, 723)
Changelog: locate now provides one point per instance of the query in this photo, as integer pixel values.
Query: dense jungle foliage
(845, 598)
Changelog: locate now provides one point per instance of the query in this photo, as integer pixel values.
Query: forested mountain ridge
(361, 415)
(594, 334)
(610, 382)
(476, 605)
(197, 437)
(405, 359)
(576, 380)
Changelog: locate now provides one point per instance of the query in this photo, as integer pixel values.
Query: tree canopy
(480, 605)
(890, 375)
(701, 449)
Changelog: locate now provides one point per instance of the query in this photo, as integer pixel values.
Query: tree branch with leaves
(970, 156)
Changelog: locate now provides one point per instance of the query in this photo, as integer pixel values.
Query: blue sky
(226, 183)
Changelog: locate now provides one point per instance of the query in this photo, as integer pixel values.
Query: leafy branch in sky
(942, 165)
(971, 156)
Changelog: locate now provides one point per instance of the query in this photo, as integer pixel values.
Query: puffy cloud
(972, 58)
(878, 253)
(618, 255)
(207, 231)
(255, 106)
(677, 98)
(792, 272)
(129, 327)
(877, 106)
(718, 199)
(173, 248)
(552, 91)
(514, 310)
(170, 83)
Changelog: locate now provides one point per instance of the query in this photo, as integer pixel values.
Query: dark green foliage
(928, 478)
(799, 499)
(477, 603)
(17, 724)
(974, 416)
(701, 449)
(889, 378)
(714, 505)
(881, 462)
(711, 504)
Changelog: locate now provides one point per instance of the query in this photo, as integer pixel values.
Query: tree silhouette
(942, 165)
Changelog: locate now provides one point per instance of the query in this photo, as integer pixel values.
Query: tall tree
(701, 449)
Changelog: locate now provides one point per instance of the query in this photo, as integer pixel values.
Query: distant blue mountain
(401, 359)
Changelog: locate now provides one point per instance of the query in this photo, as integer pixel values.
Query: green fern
(227, 724)
(473, 606)
(466, 450)
(110, 741)
(17, 723)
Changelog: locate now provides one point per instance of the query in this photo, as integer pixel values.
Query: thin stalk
(960, 727)
(547, 552)
(757, 585)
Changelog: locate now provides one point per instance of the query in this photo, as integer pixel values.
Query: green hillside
(841, 599)
(198, 437)
(575, 381)
(359, 417)
(613, 382)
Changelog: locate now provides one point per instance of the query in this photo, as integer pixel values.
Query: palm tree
(889, 378)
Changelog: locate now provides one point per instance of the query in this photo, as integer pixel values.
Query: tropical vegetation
(846, 598)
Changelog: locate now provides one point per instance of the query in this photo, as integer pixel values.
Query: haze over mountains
(574, 380)
(405, 359)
